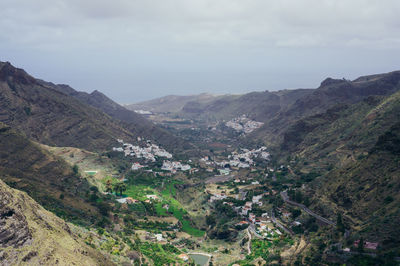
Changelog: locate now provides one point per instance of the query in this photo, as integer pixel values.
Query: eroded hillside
(30, 235)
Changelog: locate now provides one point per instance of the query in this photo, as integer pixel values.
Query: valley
(292, 177)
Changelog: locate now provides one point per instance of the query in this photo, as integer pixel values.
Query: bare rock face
(14, 230)
(30, 235)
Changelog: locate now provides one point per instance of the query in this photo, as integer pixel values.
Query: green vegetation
(120, 187)
(177, 210)
(160, 254)
(340, 160)
(140, 185)
(26, 166)
(263, 249)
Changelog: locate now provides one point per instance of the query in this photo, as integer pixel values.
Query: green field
(139, 192)
(160, 254)
(176, 209)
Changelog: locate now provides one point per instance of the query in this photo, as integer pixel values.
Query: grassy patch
(160, 254)
(176, 209)
(139, 192)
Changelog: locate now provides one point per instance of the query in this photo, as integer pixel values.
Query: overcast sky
(134, 50)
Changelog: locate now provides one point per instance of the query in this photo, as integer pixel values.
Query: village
(243, 124)
(237, 180)
(237, 160)
(150, 153)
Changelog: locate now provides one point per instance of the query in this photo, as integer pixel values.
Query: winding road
(249, 242)
(253, 230)
(286, 199)
(287, 230)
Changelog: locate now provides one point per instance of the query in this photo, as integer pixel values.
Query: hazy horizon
(135, 51)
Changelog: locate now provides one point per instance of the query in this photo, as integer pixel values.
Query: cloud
(283, 22)
(209, 37)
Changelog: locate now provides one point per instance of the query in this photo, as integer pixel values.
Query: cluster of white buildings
(246, 209)
(137, 166)
(143, 112)
(174, 166)
(248, 155)
(216, 196)
(261, 226)
(150, 152)
(257, 199)
(243, 124)
(246, 158)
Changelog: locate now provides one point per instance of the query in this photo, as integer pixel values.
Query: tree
(295, 213)
(299, 197)
(306, 201)
(120, 187)
(109, 186)
(210, 220)
(339, 223)
(361, 245)
(75, 169)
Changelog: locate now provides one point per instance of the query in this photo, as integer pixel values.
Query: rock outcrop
(30, 235)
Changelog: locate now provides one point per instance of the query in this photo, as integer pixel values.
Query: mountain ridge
(59, 115)
(27, 167)
(131, 121)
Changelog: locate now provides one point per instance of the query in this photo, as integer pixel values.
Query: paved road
(287, 230)
(249, 242)
(253, 230)
(285, 198)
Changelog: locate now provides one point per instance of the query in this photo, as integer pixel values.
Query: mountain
(51, 117)
(46, 178)
(170, 103)
(132, 121)
(30, 235)
(47, 113)
(352, 150)
(278, 110)
(366, 191)
(330, 93)
(259, 106)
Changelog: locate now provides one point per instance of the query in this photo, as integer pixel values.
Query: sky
(135, 50)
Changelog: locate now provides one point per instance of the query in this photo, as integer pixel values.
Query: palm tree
(109, 186)
(116, 187)
(120, 187)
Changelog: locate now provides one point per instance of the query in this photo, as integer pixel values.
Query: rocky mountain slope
(171, 103)
(259, 106)
(48, 114)
(132, 121)
(354, 149)
(331, 93)
(366, 192)
(48, 179)
(279, 110)
(30, 235)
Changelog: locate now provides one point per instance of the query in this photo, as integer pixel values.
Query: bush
(388, 199)
(75, 169)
